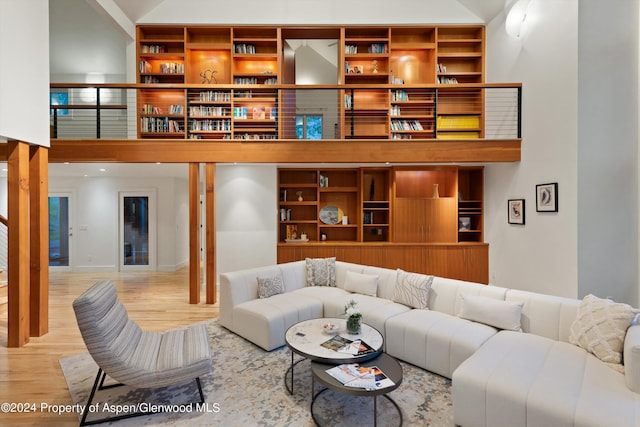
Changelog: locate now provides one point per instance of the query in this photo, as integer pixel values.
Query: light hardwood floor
(32, 374)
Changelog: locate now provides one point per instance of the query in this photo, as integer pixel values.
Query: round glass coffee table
(386, 364)
(306, 339)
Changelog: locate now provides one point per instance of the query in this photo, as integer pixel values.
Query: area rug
(247, 388)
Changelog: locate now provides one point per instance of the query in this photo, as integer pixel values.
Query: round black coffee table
(387, 364)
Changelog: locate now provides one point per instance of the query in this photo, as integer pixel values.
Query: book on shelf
(345, 345)
(291, 232)
(354, 375)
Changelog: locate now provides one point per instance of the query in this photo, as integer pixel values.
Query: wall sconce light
(516, 16)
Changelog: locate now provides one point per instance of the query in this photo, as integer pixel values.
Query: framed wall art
(515, 211)
(547, 197)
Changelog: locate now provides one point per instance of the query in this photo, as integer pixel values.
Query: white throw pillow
(269, 286)
(493, 312)
(412, 289)
(321, 271)
(600, 327)
(365, 284)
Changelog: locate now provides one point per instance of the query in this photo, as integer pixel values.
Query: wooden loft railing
(233, 123)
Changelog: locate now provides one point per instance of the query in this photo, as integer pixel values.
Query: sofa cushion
(631, 357)
(434, 341)
(365, 284)
(321, 271)
(269, 286)
(600, 327)
(412, 289)
(522, 379)
(265, 321)
(491, 311)
(549, 316)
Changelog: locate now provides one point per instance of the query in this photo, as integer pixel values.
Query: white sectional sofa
(507, 352)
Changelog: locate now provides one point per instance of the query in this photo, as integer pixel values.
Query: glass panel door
(60, 231)
(137, 236)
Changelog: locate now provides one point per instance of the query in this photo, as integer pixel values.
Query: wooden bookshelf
(460, 59)
(252, 57)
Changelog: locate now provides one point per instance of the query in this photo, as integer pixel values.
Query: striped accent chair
(134, 357)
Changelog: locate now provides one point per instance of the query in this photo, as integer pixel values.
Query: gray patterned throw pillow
(269, 286)
(321, 271)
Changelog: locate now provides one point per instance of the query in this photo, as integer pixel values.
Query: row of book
(208, 110)
(399, 95)
(352, 49)
(244, 48)
(254, 81)
(406, 125)
(211, 95)
(153, 48)
(154, 109)
(210, 125)
(257, 112)
(261, 136)
(159, 125)
(199, 136)
(446, 80)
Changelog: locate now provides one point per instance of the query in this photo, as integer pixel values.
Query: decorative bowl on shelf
(330, 328)
(296, 240)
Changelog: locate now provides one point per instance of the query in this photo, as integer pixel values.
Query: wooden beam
(18, 236)
(285, 151)
(39, 240)
(210, 227)
(194, 233)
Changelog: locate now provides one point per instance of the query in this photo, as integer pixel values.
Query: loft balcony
(278, 123)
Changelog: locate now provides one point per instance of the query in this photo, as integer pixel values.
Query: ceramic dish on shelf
(331, 215)
(296, 240)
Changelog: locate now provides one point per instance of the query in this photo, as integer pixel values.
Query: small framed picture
(547, 197)
(515, 211)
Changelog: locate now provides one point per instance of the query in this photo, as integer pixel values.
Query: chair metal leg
(98, 384)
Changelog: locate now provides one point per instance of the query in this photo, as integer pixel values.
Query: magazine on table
(354, 375)
(345, 345)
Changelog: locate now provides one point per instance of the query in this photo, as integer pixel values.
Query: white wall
(541, 255)
(24, 71)
(608, 149)
(246, 216)
(309, 12)
(95, 244)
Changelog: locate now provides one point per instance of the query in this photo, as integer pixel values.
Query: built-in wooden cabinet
(468, 261)
(248, 59)
(423, 219)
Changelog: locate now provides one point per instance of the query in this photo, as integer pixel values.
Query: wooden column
(194, 233)
(39, 240)
(210, 226)
(18, 251)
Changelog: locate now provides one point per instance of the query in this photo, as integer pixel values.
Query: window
(309, 126)
(59, 98)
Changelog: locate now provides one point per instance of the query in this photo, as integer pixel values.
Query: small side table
(389, 365)
(305, 339)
